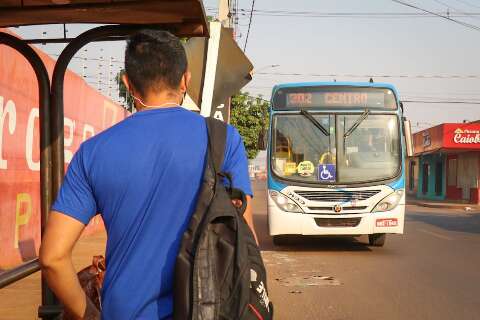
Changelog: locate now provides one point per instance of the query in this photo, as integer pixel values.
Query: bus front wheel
(377, 239)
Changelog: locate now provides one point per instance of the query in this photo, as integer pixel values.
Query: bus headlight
(283, 202)
(390, 202)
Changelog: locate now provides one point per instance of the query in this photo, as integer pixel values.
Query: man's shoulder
(189, 119)
(105, 134)
(233, 136)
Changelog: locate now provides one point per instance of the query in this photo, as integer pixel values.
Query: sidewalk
(20, 300)
(443, 204)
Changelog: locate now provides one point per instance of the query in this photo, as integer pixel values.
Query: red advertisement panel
(87, 113)
(461, 136)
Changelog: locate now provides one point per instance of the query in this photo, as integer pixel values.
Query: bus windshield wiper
(317, 124)
(357, 123)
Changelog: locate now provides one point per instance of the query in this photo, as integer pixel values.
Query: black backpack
(219, 272)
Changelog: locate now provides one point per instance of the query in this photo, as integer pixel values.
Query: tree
(250, 116)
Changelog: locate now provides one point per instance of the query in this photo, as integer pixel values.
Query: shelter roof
(183, 17)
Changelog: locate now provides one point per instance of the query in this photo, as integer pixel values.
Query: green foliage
(250, 116)
(123, 92)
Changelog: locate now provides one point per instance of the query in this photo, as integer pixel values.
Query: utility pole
(224, 13)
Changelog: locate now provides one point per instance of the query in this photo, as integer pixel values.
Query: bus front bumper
(287, 223)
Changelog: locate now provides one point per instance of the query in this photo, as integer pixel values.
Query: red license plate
(387, 222)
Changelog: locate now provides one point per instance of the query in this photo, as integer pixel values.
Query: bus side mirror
(262, 140)
(407, 130)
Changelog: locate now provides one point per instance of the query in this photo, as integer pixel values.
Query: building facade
(446, 163)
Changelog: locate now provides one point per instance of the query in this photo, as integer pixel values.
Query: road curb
(444, 206)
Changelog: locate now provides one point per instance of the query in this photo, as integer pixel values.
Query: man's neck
(158, 101)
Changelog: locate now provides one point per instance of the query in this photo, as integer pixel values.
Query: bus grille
(331, 209)
(337, 196)
(340, 222)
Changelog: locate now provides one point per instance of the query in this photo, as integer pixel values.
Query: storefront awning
(448, 138)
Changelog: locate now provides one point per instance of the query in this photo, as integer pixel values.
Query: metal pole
(49, 310)
(56, 123)
(46, 196)
(18, 273)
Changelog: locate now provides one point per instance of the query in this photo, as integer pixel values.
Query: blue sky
(356, 46)
(414, 46)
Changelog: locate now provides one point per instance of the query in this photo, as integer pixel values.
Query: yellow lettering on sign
(24, 201)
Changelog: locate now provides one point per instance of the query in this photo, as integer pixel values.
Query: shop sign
(466, 136)
(427, 139)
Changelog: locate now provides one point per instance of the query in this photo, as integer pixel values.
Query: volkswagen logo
(337, 208)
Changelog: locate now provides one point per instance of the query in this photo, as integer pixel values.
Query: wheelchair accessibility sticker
(326, 172)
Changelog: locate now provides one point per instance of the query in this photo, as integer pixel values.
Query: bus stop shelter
(119, 19)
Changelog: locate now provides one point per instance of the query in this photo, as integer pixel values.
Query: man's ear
(187, 76)
(126, 83)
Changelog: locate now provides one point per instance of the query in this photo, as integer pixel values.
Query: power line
(418, 76)
(468, 25)
(451, 7)
(246, 14)
(468, 3)
(89, 59)
(453, 97)
(249, 25)
(441, 102)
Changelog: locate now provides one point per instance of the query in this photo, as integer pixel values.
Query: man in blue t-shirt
(143, 176)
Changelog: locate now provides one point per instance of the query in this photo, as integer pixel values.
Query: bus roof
(332, 83)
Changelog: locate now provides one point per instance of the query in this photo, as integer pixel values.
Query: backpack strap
(217, 139)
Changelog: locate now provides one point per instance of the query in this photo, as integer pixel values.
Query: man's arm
(248, 215)
(61, 234)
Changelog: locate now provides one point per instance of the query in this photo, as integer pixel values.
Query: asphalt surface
(430, 272)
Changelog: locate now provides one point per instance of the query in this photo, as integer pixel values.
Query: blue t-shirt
(143, 176)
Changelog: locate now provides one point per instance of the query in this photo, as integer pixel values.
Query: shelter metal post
(45, 151)
(99, 33)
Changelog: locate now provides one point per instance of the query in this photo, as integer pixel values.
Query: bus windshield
(304, 153)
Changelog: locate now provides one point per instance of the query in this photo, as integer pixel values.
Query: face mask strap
(148, 106)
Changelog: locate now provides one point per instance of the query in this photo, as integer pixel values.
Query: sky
(351, 48)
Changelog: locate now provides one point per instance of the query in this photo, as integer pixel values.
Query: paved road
(431, 272)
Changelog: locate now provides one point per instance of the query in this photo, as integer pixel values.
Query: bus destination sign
(372, 98)
(329, 99)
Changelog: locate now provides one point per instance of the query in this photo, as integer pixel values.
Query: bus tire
(377, 239)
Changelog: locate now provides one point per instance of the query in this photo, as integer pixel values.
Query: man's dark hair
(154, 60)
